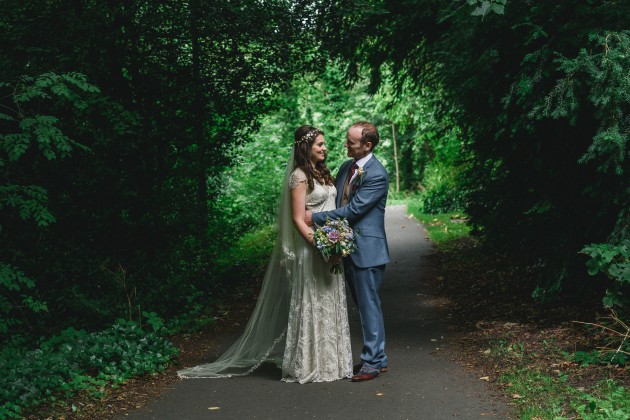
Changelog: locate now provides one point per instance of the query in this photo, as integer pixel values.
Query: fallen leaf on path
(379, 394)
(485, 378)
(517, 396)
(214, 408)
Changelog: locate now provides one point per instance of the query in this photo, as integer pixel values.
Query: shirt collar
(361, 162)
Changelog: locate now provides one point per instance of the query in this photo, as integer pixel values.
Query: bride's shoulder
(297, 176)
(298, 172)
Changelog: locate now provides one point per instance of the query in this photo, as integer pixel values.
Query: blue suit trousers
(364, 284)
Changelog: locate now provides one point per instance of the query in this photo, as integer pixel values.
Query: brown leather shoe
(366, 373)
(356, 368)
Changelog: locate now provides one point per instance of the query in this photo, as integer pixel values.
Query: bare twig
(617, 323)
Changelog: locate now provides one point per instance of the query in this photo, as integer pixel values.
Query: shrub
(248, 258)
(613, 261)
(76, 360)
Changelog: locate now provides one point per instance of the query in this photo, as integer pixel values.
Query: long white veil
(264, 337)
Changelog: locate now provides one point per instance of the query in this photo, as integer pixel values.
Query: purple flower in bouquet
(335, 237)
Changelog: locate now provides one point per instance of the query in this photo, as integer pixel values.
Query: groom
(362, 184)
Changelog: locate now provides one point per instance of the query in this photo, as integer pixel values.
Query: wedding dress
(318, 335)
(300, 322)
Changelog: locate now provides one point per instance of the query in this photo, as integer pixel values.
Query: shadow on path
(422, 383)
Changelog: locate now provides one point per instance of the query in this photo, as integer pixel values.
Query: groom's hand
(308, 218)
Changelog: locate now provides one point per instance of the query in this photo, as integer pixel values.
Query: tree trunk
(396, 158)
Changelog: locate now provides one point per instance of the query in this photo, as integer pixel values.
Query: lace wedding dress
(318, 335)
(300, 322)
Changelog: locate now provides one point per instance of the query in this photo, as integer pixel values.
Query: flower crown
(306, 138)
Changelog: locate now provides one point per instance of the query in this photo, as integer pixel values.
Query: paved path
(423, 382)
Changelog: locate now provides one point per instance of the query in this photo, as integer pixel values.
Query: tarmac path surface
(423, 381)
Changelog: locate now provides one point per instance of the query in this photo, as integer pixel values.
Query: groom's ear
(369, 144)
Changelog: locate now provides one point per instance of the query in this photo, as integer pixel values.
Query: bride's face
(318, 150)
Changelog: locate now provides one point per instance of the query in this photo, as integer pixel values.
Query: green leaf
(482, 10)
(620, 272)
(498, 8)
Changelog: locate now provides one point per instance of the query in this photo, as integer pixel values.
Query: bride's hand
(334, 260)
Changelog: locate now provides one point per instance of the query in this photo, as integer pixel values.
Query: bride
(300, 322)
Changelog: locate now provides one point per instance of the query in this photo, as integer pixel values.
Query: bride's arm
(298, 210)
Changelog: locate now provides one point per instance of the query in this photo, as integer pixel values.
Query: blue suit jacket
(365, 211)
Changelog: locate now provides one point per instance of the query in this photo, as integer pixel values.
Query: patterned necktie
(353, 169)
(346, 190)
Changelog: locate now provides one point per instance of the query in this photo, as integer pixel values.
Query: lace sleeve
(296, 177)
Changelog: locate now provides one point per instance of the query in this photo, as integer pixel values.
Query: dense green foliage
(429, 147)
(26, 129)
(182, 84)
(614, 262)
(146, 102)
(246, 261)
(541, 91)
(252, 186)
(75, 360)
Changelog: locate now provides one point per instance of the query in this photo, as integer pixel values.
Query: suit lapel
(344, 171)
(365, 167)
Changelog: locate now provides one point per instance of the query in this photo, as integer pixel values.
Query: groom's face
(356, 150)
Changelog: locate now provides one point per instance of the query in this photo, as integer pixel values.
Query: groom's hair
(368, 133)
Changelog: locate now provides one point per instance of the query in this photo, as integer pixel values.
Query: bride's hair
(304, 138)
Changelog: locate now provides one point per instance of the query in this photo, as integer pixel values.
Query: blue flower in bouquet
(335, 237)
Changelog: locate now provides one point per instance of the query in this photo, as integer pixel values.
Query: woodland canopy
(140, 140)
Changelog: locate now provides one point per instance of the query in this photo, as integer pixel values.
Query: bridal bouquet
(335, 237)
